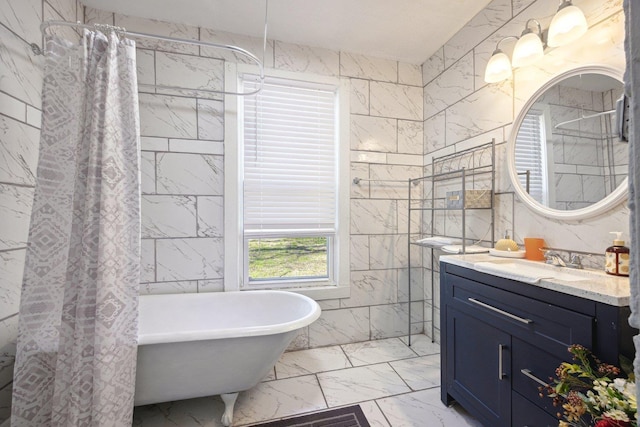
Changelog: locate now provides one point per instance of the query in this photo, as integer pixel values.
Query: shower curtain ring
(106, 28)
(35, 49)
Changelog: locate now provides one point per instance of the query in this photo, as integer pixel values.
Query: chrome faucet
(554, 258)
(575, 262)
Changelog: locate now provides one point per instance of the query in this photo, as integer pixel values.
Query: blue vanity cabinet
(501, 339)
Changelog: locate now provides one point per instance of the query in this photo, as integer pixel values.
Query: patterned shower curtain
(77, 339)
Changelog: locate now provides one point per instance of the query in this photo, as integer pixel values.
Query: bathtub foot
(229, 400)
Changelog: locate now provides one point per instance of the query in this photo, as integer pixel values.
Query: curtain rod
(590, 116)
(102, 27)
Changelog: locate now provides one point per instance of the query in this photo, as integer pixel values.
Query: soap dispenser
(617, 257)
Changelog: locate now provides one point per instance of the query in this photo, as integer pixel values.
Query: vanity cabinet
(502, 339)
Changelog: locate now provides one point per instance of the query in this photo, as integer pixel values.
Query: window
(531, 156)
(292, 192)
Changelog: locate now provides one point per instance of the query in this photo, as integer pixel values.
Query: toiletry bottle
(617, 257)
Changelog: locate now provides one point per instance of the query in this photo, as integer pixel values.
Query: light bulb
(498, 67)
(567, 25)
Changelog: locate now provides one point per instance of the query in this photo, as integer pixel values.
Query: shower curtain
(77, 339)
(632, 90)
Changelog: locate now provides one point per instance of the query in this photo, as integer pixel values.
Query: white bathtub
(194, 345)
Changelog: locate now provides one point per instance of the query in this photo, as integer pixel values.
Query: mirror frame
(609, 202)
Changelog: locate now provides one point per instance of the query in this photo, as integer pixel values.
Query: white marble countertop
(596, 285)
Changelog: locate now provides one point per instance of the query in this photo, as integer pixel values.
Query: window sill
(319, 293)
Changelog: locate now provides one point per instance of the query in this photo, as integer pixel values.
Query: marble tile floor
(396, 386)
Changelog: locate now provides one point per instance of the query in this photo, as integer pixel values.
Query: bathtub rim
(245, 331)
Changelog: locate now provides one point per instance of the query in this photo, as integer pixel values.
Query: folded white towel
(518, 272)
(470, 249)
(438, 241)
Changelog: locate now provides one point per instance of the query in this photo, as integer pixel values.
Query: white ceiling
(404, 30)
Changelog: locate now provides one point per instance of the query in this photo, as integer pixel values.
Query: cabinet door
(478, 368)
(526, 414)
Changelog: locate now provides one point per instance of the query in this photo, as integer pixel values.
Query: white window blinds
(290, 156)
(531, 155)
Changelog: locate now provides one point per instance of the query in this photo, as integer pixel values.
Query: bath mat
(349, 416)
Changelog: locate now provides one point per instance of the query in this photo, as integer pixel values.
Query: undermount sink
(533, 272)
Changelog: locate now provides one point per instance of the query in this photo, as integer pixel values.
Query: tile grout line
(346, 355)
(375, 402)
(324, 397)
(400, 376)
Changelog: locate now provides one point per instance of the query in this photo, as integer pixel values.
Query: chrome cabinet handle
(527, 373)
(504, 313)
(501, 374)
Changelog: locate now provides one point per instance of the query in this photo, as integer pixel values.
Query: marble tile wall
(20, 115)
(182, 173)
(461, 110)
(386, 147)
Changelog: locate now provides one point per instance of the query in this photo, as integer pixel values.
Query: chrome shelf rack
(470, 168)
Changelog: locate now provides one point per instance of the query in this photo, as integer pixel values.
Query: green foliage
(301, 257)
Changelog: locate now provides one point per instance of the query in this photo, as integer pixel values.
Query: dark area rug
(350, 416)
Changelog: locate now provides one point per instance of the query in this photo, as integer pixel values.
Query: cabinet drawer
(530, 363)
(546, 325)
(526, 414)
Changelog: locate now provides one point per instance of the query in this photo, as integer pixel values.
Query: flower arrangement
(591, 393)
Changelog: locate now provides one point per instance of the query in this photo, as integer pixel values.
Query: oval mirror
(565, 158)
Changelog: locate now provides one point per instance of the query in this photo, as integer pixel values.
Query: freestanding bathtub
(194, 345)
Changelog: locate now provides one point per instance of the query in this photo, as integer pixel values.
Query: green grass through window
(288, 258)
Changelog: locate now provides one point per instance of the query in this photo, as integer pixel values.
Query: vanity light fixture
(499, 65)
(529, 47)
(567, 25)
